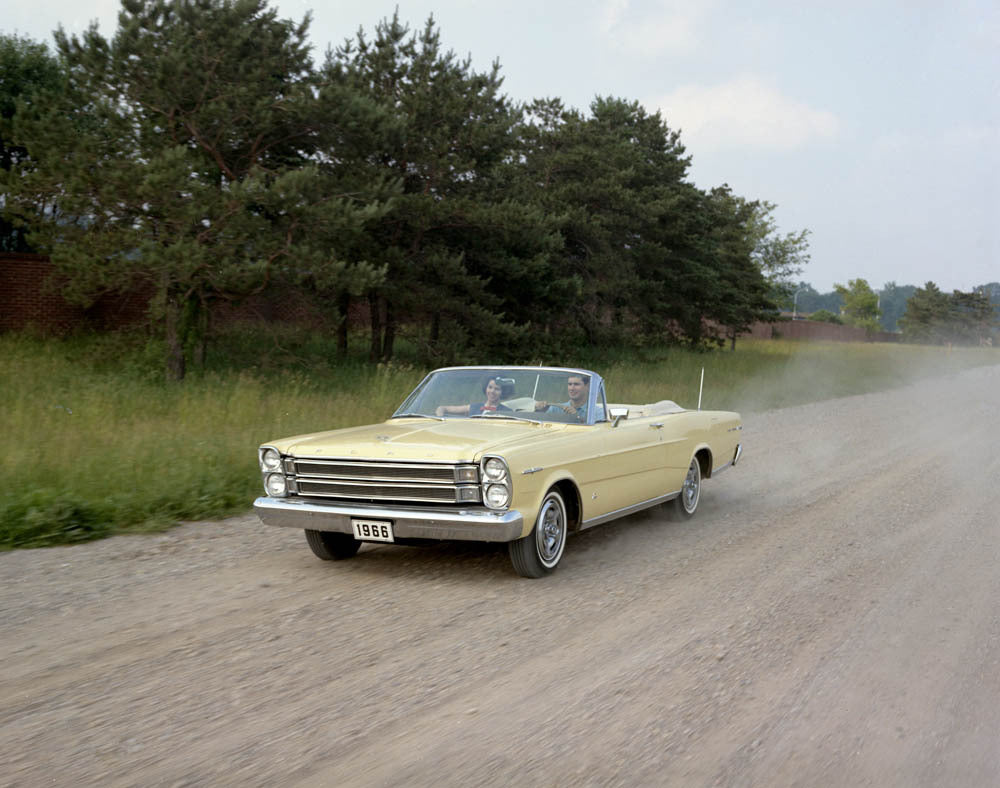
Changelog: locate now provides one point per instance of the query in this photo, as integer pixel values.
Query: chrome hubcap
(692, 486)
(550, 532)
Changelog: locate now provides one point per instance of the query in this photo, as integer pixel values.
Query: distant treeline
(922, 314)
(202, 153)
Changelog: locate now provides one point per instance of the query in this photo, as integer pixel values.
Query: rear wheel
(684, 505)
(538, 553)
(332, 546)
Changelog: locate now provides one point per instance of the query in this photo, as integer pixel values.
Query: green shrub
(42, 517)
(825, 316)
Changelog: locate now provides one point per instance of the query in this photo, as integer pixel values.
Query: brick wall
(815, 330)
(759, 331)
(29, 296)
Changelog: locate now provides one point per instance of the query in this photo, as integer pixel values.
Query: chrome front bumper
(472, 524)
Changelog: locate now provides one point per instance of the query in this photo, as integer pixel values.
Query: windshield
(536, 394)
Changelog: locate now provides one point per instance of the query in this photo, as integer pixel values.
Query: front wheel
(538, 553)
(332, 546)
(683, 506)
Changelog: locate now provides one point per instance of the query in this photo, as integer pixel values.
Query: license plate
(372, 530)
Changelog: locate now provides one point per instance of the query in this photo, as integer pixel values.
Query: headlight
(496, 482)
(275, 485)
(497, 496)
(270, 460)
(495, 469)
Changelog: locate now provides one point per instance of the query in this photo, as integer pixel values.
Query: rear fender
(704, 456)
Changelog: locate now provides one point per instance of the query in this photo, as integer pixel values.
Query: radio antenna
(701, 387)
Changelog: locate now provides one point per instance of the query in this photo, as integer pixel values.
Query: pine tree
(28, 73)
(181, 158)
(646, 255)
(927, 315)
(445, 242)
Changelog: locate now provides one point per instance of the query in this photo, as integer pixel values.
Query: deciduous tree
(780, 257)
(826, 316)
(811, 300)
(860, 305)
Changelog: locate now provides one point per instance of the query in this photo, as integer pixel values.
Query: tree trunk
(435, 328)
(175, 343)
(732, 339)
(375, 353)
(343, 305)
(588, 329)
(199, 349)
(390, 332)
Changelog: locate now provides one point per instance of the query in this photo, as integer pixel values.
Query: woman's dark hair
(495, 379)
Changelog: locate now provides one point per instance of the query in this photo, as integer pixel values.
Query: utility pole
(795, 302)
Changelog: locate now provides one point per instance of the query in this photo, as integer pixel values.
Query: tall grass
(96, 443)
(92, 446)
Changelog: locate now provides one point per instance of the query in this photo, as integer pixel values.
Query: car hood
(452, 440)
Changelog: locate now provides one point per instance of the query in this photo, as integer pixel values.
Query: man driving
(578, 388)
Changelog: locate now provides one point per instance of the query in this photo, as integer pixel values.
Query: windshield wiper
(412, 415)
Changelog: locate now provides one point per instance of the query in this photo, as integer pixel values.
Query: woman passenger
(492, 390)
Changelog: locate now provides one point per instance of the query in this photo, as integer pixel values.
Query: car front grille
(384, 482)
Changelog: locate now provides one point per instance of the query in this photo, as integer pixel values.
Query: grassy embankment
(96, 443)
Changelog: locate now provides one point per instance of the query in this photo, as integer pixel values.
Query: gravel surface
(829, 617)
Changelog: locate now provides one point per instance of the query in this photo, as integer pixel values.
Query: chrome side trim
(736, 458)
(475, 523)
(536, 469)
(721, 468)
(638, 507)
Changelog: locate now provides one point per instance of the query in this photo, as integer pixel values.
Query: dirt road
(830, 617)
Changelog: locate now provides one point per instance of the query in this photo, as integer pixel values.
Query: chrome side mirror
(617, 414)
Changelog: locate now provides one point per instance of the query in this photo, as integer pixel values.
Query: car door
(633, 456)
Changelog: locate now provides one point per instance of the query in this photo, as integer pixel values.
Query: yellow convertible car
(522, 455)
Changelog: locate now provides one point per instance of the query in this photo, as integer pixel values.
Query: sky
(874, 125)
